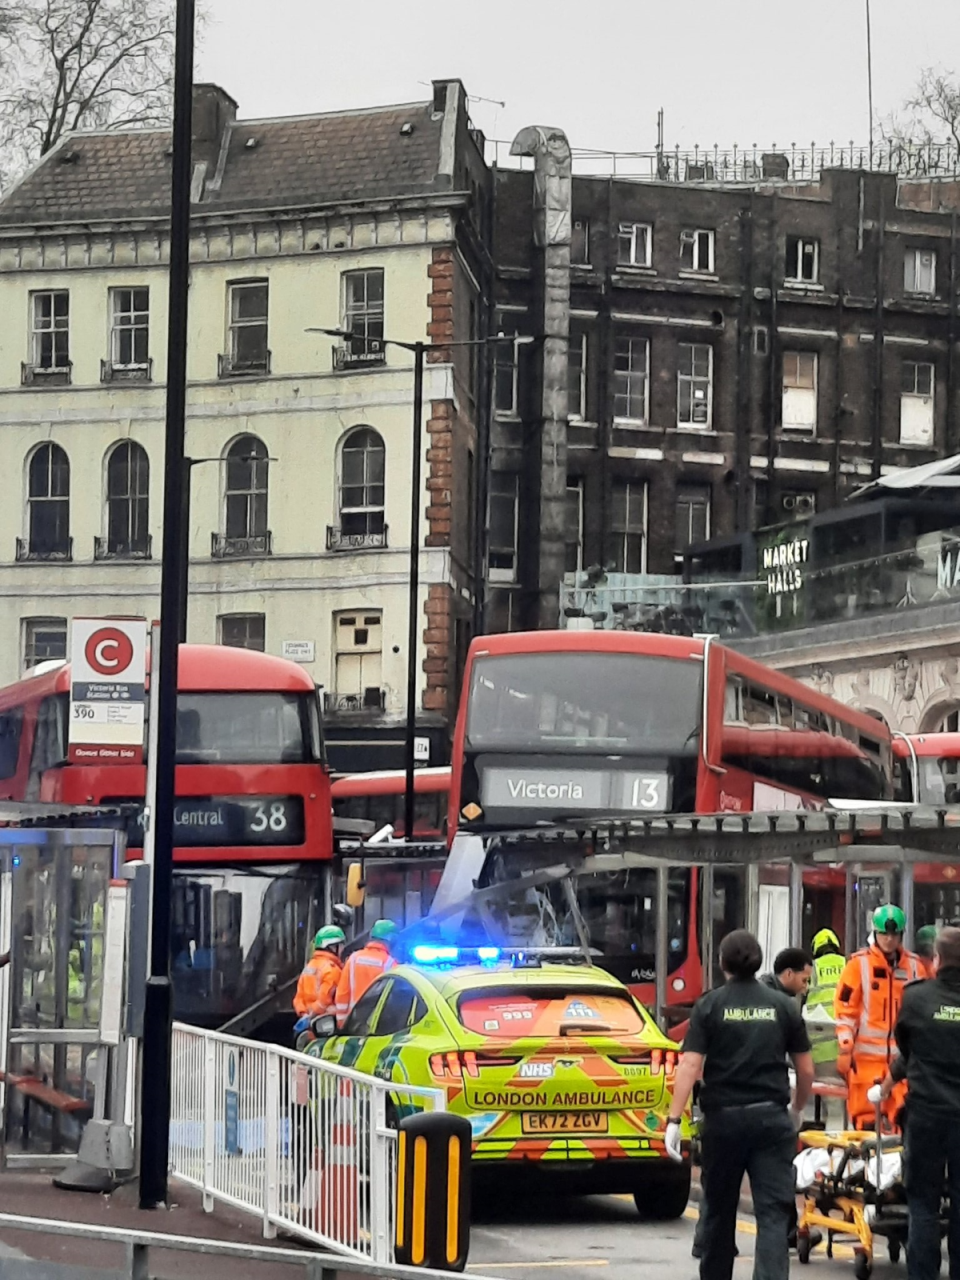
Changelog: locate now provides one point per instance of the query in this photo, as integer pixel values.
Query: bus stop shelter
(864, 844)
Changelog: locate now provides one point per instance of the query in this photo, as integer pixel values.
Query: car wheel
(663, 1193)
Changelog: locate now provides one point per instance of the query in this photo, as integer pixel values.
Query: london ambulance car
(556, 1066)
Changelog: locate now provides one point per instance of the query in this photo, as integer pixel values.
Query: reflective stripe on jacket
(823, 983)
(360, 972)
(317, 988)
(868, 1000)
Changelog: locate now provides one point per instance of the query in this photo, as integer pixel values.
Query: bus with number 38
(253, 838)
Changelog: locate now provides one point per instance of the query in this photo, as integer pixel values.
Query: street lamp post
(418, 350)
(410, 742)
(158, 1003)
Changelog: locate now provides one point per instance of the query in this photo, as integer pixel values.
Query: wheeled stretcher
(852, 1183)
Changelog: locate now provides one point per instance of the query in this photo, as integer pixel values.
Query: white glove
(671, 1141)
(875, 1093)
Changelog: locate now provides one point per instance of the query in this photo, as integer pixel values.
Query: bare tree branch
(925, 132)
(68, 65)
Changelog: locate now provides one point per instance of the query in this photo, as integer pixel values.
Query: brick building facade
(738, 354)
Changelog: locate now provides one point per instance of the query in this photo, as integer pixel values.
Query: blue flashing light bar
(437, 955)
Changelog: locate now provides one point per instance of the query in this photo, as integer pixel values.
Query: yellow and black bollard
(433, 1191)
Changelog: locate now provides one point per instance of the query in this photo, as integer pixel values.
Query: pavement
(32, 1195)
(530, 1233)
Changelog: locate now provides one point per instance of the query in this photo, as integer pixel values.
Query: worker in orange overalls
(317, 988)
(865, 1008)
(363, 967)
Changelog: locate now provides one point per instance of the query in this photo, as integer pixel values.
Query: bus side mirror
(355, 885)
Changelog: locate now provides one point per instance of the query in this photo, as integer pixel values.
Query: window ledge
(689, 428)
(581, 422)
(904, 444)
(913, 295)
(34, 376)
(636, 269)
(227, 368)
(506, 415)
(689, 273)
(803, 286)
(633, 424)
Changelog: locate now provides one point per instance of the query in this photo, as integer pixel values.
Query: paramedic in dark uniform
(740, 1037)
(927, 1033)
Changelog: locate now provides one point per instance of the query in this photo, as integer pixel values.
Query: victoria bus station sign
(108, 664)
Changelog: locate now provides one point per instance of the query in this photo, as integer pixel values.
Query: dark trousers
(761, 1143)
(931, 1164)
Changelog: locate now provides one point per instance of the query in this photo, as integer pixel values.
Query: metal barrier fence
(306, 1145)
(194, 1255)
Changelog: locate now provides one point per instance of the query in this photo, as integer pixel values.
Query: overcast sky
(725, 71)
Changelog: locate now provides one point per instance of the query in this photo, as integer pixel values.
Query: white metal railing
(305, 1145)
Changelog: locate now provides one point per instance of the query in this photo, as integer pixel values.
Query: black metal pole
(158, 1010)
(412, 647)
(186, 472)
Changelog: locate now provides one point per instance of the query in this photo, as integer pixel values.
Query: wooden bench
(53, 1100)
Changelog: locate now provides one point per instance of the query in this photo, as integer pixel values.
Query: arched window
(128, 500)
(48, 503)
(245, 516)
(947, 720)
(362, 463)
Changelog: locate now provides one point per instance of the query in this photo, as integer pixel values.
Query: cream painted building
(369, 221)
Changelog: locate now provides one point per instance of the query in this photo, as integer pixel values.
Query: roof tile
(303, 161)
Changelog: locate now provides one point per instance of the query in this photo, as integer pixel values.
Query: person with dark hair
(739, 1039)
(792, 971)
(927, 1035)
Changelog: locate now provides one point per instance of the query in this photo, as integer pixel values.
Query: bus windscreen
(597, 703)
(247, 728)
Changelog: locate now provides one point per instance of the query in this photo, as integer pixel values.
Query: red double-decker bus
(927, 771)
(253, 825)
(378, 798)
(555, 728)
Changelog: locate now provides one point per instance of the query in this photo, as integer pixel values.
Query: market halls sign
(783, 564)
(948, 567)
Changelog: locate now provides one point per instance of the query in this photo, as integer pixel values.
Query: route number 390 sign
(108, 662)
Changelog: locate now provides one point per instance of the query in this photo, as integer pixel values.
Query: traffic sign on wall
(108, 662)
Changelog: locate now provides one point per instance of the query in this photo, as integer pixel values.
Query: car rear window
(548, 1011)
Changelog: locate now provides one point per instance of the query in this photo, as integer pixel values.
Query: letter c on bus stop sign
(109, 651)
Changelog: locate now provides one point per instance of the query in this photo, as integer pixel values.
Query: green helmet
(826, 941)
(329, 936)
(889, 919)
(383, 931)
(927, 935)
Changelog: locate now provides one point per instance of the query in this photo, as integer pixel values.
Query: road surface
(546, 1237)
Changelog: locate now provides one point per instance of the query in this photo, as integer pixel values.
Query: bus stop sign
(108, 658)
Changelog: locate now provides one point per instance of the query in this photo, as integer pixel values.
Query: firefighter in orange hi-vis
(363, 967)
(865, 1009)
(317, 988)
